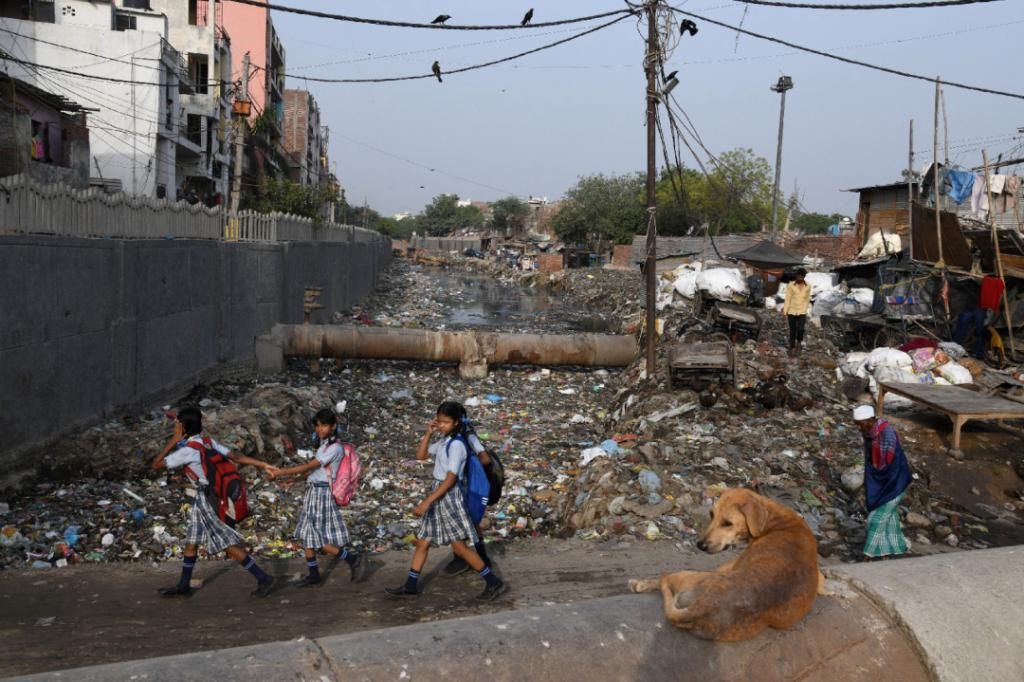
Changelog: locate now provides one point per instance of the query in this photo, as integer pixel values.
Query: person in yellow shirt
(795, 307)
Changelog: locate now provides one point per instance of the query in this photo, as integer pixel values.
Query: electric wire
(426, 167)
(441, 27)
(891, 5)
(848, 60)
(463, 69)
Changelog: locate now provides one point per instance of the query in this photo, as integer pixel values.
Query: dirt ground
(89, 615)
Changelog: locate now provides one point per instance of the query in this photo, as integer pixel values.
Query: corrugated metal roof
(671, 247)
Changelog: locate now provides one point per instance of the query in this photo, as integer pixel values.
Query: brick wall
(622, 256)
(549, 262)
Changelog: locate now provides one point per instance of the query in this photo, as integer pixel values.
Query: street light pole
(785, 83)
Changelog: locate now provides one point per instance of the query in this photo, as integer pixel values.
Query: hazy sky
(534, 125)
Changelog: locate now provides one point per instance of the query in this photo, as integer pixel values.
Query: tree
(602, 208)
(396, 229)
(510, 213)
(443, 216)
(284, 196)
(814, 223)
(735, 195)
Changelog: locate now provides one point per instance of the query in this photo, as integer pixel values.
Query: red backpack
(227, 488)
(345, 482)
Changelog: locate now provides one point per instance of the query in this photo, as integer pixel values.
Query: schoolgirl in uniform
(321, 526)
(204, 526)
(445, 521)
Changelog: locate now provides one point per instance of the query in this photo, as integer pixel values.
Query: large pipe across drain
(473, 350)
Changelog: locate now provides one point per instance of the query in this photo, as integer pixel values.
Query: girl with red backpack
(321, 527)
(186, 449)
(445, 518)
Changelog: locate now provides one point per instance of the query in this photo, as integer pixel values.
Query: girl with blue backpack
(446, 519)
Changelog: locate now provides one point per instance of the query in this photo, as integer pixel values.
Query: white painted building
(196, 29)
(117, 58)
(130, 79)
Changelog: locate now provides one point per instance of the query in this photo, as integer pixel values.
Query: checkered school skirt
(447, 520)
(206, 529)
(885, 534)
(320, 521)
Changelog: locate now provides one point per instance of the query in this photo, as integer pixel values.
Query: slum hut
(767, 261)
(676, 251)
(883, 207)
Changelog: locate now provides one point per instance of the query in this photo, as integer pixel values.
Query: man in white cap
(886, 478)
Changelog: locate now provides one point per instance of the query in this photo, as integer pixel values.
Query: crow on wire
(687, 26)
(441, 18)
(436, 68)
(527, 17)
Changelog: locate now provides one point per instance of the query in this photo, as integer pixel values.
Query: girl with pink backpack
(333, 476)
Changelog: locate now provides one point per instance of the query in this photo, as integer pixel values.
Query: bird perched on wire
(527, 17)
(687, 26)
(436, 68)
(441, 18)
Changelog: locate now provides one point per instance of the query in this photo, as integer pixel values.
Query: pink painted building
(252, 31)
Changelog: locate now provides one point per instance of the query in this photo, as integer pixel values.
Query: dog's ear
(756, 514)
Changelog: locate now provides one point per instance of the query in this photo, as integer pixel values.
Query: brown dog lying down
(773, 583)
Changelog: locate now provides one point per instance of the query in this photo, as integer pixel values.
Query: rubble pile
(137, 515)
(596, 453)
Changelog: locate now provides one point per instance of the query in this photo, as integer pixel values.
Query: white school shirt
(448, 459)
(328, 454)
(474, 442)
(191, 458)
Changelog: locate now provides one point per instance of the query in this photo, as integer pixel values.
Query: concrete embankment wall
(91, 325)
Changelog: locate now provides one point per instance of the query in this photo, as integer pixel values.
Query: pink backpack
(345, 483)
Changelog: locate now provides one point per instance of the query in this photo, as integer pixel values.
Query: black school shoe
(265, 587)
(492, 592)
(455, 567)
(401, 592)
(358, 567)
(176, 591)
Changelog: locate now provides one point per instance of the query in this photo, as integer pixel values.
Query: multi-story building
(253, 33)
(305, 140)
(196, 29)
(115, 60)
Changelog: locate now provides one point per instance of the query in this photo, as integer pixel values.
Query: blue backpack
(474, 484)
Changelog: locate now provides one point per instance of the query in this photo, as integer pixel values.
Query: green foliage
(396, 229)
(735, 196)
(443, 215)
(602, 208)
(284, 196)
(510, 212)
(814, 223)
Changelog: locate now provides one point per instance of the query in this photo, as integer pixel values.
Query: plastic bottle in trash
(71, 535)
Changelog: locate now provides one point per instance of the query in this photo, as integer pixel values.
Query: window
(199, 72)
(43, 11)
(124, 22)
(137, 4)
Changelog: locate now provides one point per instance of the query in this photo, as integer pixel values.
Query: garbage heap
(103, 504)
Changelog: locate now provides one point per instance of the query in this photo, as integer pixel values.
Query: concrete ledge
(962, 610)
(616, 638)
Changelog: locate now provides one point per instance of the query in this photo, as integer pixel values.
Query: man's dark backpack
(226, 491)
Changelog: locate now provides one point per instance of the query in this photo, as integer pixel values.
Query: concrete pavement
(949, 617)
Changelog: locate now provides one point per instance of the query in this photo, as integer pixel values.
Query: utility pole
(785, 83)
(910, 190)
(651, 65)
(241, 110)
(940, 263)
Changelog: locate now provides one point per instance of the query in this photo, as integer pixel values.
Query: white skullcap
(862, 412)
